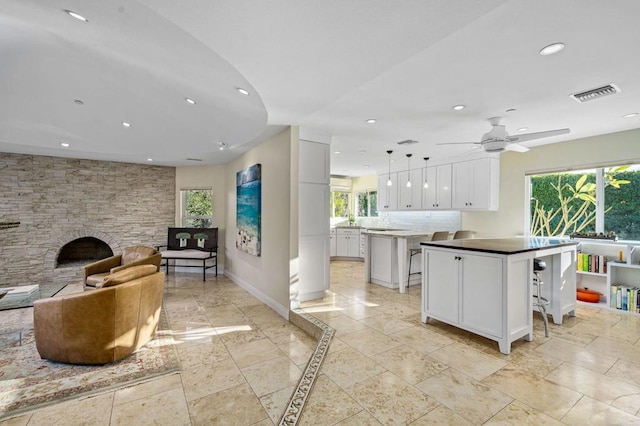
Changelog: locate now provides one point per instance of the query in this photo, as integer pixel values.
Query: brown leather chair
(104, 325)
(95, 273)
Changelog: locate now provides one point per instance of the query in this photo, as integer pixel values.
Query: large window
(603, 200)
(339, 204)
(197, 211)
(367, 204)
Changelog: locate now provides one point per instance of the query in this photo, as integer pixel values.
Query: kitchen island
(386, 255)
(485, 285)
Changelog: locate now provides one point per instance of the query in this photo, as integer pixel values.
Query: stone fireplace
(105, 206)
(81, 251)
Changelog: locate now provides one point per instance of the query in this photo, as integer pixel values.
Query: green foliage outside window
(197, 208)
(367, 204)
(565, 203)
(339, 204)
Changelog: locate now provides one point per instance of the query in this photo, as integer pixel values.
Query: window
(197, 211)
(367, 204)
(339, 204)
(603, 200)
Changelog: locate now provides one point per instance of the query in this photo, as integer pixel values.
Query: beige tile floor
(240, 362)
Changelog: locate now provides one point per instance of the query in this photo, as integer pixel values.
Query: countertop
(397, 233)
(500, 245)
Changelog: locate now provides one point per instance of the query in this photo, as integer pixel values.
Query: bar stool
(412, 252)
(538, 301)
(436, 236)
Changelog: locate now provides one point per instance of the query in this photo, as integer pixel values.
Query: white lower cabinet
(348, 242)
(470, 291)
(461, 288)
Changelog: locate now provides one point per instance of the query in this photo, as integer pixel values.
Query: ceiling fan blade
(537, 135)
(516, 148)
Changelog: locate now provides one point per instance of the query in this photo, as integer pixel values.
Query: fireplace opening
(82, 251)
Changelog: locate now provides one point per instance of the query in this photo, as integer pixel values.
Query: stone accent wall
(57, 200)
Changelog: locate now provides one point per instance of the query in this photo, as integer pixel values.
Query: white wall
(267, 276)
(509, 220)
(206, 177)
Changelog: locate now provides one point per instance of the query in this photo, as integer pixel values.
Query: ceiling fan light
(551, 49)
(75, 15)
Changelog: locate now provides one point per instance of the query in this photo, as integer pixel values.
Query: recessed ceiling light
(371, 121)
(75, 15)
(64, 144)
(223, 146)
(523, 129)
(242, 91)
(190, 101)
(633, 114)
(551, 49)
(336, 152)
(126, 124)
(149, 159)
(362, 151)
(458, 107)
(366, 165)
(511, 110)
(78, 102)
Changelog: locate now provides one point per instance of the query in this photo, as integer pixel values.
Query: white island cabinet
(485, 285)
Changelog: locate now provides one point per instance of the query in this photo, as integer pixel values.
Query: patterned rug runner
(28, 382)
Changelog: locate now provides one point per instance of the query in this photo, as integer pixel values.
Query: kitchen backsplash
(420, 221)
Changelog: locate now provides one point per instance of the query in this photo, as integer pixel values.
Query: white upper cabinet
(466, 185)
(314, 162)
(437, 196)
(476, 184)
(410, 196)
(387, 195)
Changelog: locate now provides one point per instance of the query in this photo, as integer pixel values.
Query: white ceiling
(323, 65)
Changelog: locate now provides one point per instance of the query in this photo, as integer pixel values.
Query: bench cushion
(185, 254)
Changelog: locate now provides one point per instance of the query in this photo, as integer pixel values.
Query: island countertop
(500, 245)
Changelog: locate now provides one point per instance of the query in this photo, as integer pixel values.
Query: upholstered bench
(200, 244)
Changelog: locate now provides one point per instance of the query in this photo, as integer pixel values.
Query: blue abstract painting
(249, 209)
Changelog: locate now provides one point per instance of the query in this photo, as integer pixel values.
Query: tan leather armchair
(95, 273)
(104, 325)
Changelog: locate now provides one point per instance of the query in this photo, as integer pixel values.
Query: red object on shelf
(588, 295)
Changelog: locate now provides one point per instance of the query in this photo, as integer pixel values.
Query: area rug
(28, 382)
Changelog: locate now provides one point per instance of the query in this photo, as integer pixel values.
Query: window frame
(599, 170)
(183, 208)
(368, 193)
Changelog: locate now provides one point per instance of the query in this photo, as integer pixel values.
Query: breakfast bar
(386, 255)
(485, 285)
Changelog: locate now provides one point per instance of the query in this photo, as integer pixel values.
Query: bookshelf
(624, 273)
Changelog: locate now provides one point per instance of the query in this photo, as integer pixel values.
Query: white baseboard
(281, 310)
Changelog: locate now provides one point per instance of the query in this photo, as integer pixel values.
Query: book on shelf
(595, 263)
(625, 298)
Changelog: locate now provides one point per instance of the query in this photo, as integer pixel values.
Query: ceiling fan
(497, 139)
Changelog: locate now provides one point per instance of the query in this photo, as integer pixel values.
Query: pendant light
(426, 184)
(389, 181)
(409, 170)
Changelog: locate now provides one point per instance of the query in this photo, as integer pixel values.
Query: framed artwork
(249, 209)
